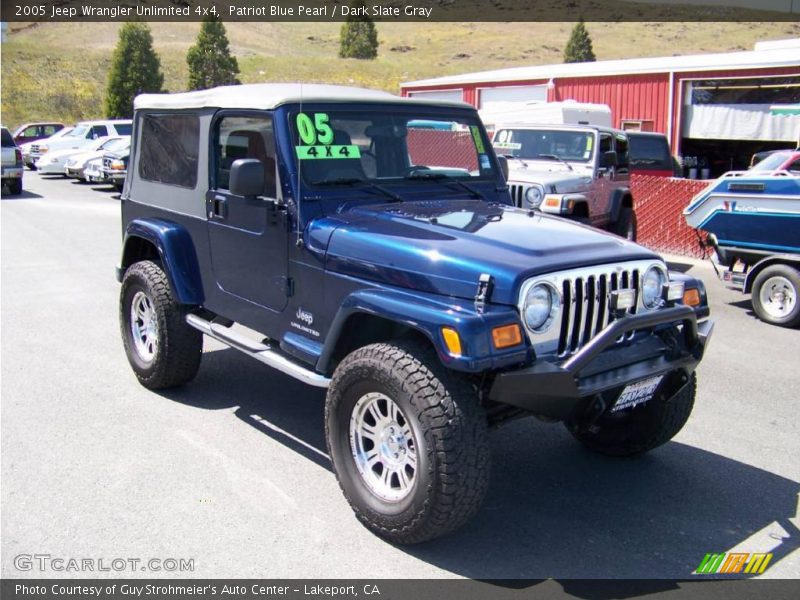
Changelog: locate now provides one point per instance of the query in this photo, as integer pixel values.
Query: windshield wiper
(441, 177)
(524, 164)
(356, 180)
(558, 158)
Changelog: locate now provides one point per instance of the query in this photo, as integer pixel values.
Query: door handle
(220, 206)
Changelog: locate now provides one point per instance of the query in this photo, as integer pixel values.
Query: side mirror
(609, 159)
(247, 177)
(503, 166)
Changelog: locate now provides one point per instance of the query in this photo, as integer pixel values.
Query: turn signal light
(452, 341)
(506, 336)
(691, 297)
(552, 201)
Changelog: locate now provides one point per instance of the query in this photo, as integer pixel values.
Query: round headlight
(541, 305)
(534, 195)
(652, 284)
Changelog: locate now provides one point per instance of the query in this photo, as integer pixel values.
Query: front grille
(585, 310)
(107, 164)
(517, 194)
(35, 148)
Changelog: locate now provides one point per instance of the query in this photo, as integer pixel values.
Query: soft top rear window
(170, 145)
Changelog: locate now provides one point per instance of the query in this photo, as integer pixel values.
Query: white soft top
(266, 96)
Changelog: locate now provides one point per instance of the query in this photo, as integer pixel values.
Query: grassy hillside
(58, 70)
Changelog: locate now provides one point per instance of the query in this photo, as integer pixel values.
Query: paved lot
(231, 470)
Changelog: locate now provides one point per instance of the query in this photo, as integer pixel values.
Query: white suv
(81, 135)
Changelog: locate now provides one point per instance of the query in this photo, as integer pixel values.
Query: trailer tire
(776, 296)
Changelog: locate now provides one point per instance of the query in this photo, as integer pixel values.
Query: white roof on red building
(753, 59)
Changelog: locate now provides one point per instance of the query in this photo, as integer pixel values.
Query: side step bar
(261, 352)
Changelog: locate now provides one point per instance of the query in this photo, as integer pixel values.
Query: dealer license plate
(637, 393)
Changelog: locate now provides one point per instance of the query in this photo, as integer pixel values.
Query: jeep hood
(444, 246)
(554, 177)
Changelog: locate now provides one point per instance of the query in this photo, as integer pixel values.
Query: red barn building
(714, 108)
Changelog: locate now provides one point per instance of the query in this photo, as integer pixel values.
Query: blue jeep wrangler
(367, 244)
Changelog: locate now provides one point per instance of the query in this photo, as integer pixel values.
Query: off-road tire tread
(180, 346)
(675, 413)
(448, 408)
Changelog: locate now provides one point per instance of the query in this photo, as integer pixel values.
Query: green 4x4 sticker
(316, 136)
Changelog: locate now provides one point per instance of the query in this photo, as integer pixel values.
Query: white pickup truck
(11, 164)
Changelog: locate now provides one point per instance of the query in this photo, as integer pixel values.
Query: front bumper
(12, 172)
(668, 340)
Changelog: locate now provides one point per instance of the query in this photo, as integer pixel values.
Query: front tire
(642, 428)
(776, 296)
(626, 224)
(162, 349)
(408, 441)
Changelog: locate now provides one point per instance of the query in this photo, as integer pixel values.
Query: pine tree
(135, 69)
(210, 61)
(358, 37)
(579, 46)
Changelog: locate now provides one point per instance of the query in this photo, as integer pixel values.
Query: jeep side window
(606, 144)
(244, 137)
(622, 153)
(170, 145)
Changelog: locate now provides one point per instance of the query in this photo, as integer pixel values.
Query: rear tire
(776, 296)
(428, 470)
(162, 349)
(626, 224)
(639, 429)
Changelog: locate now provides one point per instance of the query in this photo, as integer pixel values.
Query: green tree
(135, 69)
(358, 37)
(579, 46)
(210, 61)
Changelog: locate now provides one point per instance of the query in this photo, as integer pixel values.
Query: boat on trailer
(753, 224)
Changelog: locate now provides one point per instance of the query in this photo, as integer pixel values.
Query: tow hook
(593, 412)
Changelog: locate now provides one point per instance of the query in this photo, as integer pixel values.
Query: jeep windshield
(384, 146)
(556, 145)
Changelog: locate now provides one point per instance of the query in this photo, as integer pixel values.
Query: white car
(53, 163)
(93, 171)
(75, 164)
(83, 134)
(30, 160)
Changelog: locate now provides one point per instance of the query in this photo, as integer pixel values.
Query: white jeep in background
(576, 171)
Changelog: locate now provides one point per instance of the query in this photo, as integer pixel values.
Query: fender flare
(617, 198)
(176, 251)
(427, 315)
(791, 260)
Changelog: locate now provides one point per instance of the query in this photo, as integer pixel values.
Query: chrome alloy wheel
(778, 296)
(383, 447)
(144, 326)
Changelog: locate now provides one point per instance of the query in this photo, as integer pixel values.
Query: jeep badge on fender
(367, 244)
